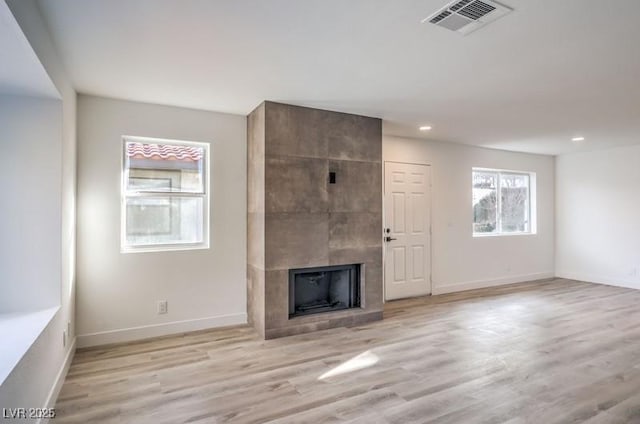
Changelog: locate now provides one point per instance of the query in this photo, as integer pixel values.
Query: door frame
(384, 248)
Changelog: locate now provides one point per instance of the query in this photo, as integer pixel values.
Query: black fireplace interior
(323, 289)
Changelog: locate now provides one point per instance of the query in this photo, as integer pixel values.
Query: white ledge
(18, 332)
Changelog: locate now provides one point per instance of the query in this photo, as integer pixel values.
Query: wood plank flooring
(551, 352)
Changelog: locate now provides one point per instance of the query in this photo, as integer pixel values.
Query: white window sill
(503, 235)
(165, 248)
(19, 331)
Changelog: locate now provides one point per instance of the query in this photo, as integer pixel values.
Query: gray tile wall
(256, 218)
(296, 219)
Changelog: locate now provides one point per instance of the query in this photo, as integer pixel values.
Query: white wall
(460, 261)
(597, 216)
(30, 171)
(36, 379)
(117, 293)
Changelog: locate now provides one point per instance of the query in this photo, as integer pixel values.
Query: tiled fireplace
(314, 245)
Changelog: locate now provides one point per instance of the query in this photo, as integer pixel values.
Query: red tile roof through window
(163, 152)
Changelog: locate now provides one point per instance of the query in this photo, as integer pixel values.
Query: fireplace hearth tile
(351, 255)
(373, 286)
(296, 240)
(255, 187)
(255, 161)
(276, 295)
(358, 188)
(255, 235)
(354, 230)
(346, 321)
(295, 131)
(256, 298)
(296, 185)
(355, 138)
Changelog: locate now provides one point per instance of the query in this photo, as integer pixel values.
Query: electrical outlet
(163, 307)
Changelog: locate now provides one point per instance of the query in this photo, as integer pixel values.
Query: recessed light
(577, 139)
(425, 128)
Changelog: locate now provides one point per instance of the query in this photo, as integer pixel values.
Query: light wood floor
(552, 352)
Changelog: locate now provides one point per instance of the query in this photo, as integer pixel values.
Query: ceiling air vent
(465, 16)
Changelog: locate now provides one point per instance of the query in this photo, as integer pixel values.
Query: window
(164, 195)
(502, 202)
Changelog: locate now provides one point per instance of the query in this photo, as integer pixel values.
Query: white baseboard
(57, 384)
(600, 279)
(157, 330)
(439, 288)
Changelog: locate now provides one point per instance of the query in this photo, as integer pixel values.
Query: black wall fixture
(332, 177)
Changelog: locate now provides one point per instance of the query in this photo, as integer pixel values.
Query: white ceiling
(21, 73)
(527, 82)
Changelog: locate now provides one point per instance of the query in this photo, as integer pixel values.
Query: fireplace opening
(323, 289)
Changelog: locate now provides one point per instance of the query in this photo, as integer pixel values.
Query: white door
(407, 232)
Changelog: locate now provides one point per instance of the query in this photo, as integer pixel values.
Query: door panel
(418, 262)
(398, 207)
(407, 220)
(399, 264)
(417, 213)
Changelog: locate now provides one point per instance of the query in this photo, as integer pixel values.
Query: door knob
(388, 238)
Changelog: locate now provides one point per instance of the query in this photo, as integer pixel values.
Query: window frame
(531, 203)
(126, 194)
